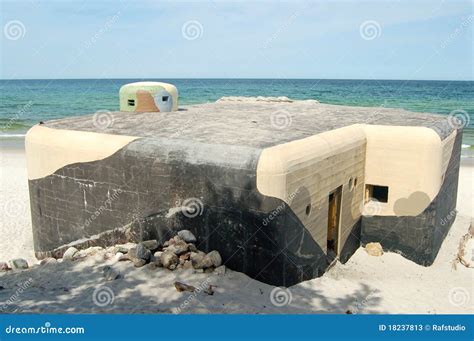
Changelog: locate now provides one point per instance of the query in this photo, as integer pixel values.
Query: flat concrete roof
(252, 123)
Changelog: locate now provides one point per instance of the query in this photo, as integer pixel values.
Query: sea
(24, 103)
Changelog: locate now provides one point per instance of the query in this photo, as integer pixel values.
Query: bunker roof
(249, 122)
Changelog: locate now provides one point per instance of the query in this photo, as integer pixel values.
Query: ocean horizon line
(243, 78)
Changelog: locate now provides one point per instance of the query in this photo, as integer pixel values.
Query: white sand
(365, 284)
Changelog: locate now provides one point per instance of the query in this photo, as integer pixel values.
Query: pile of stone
(14, 264)
(179, 252)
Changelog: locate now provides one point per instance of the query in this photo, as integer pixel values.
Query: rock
(201, 261)
(178, 248)
(152, 266)
(19, 263)
(196, 259)
(192, 247)
(48, 261)
(194, 255)
(117, 256)
(122, 257)
(138, 262)
(169, 259)
(110, 274)
(180, 287)
(108, 255)
(466, 251)
(69, 254)
(87, 252)
(374, 249)
(209, 290)
(220, 270)
(199, 271)
(157, 258)
(4, 266)
(187, 236)
(139, 252)
(150, 244)
(124, 248)
(185, 256)
(215, 257)
(209, 270)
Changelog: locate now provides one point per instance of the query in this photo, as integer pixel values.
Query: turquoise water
(26, 102)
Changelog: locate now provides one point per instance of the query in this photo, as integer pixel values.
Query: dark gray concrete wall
(144, 185)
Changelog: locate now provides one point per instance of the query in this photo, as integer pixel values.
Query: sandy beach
(365, 284)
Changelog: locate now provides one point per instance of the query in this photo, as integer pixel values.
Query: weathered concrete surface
(209, 153)
(252, 124)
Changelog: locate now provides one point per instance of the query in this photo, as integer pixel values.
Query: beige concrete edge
(407, 159)
(48, 149)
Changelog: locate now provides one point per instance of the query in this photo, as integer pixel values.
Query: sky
(396, 39)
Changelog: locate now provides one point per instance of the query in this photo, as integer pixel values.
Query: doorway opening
(334, 213)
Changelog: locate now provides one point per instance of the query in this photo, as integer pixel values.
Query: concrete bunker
(279, 205)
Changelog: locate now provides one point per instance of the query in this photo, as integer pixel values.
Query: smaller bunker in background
(148, 97)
